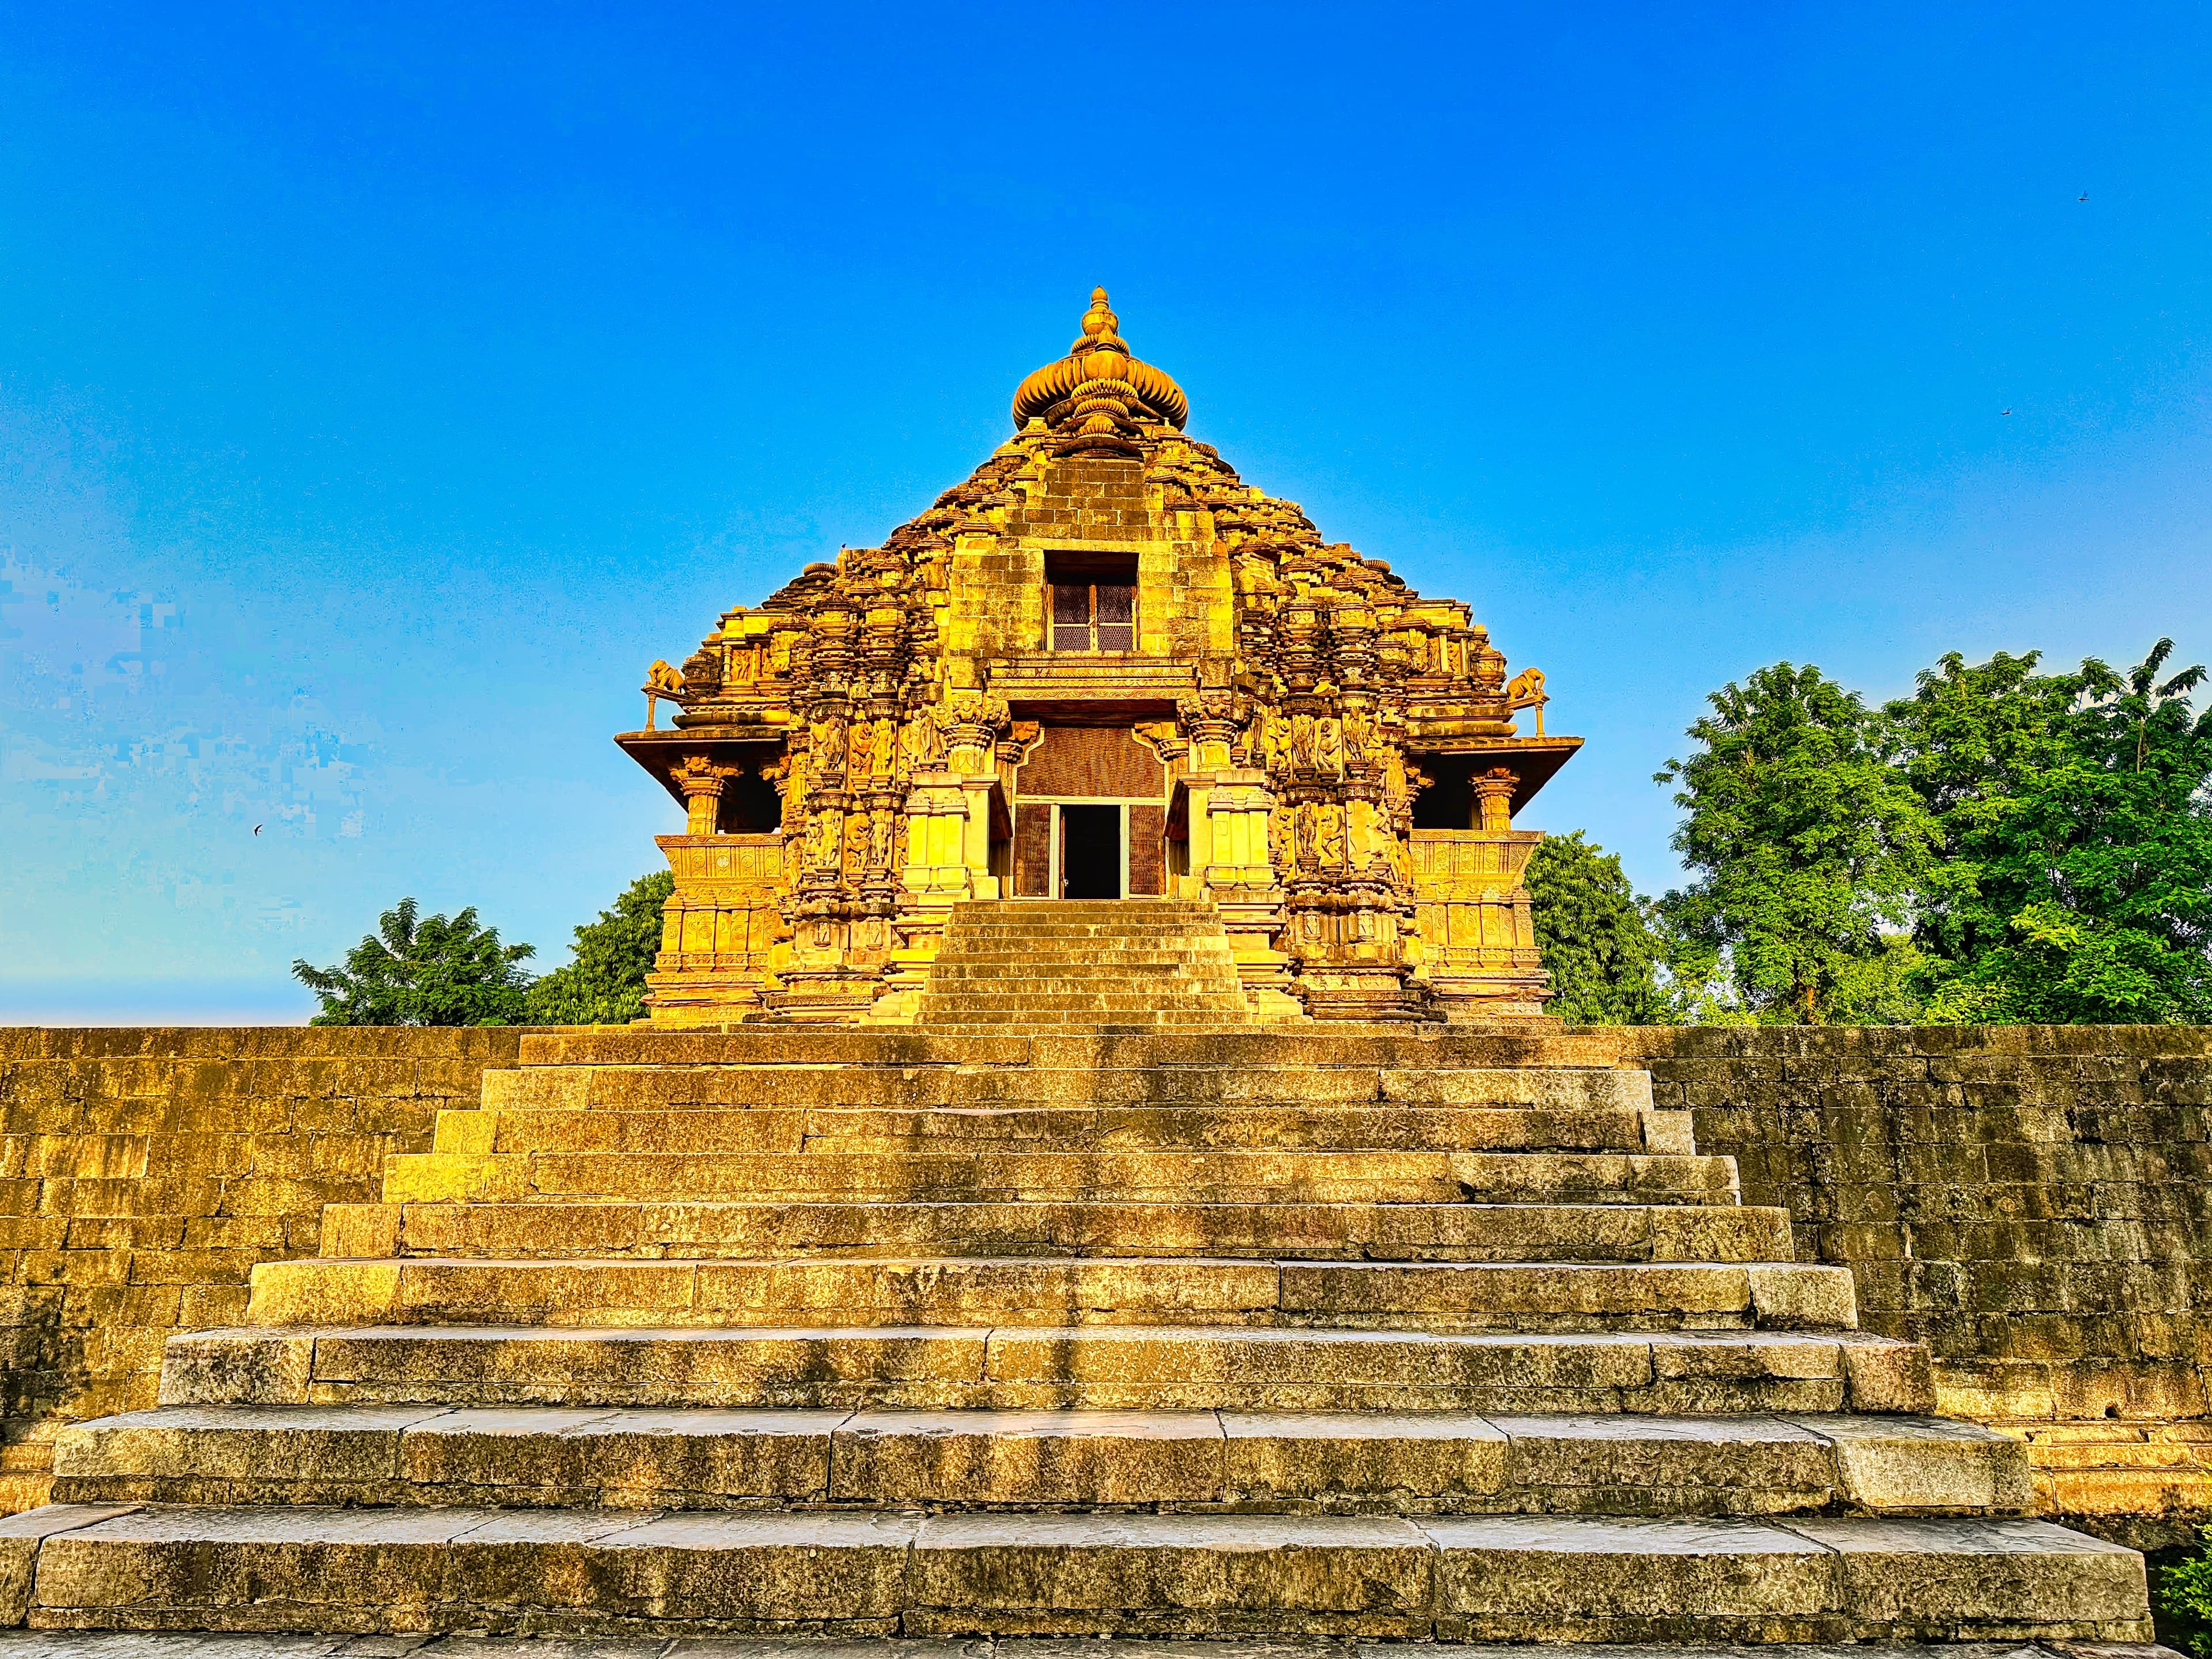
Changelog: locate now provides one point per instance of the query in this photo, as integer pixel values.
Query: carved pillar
(702, 781)
(1493, 800)
(1226, 809)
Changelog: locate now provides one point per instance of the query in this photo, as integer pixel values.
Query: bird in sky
(2004, 411)
(256, 828)
(2083, 196)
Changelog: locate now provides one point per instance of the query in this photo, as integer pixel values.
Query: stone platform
(1048, 1330)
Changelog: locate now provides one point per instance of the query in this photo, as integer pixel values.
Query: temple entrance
(1091, 864)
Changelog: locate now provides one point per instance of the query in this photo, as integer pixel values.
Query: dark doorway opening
(750, 806)
(1090, 851)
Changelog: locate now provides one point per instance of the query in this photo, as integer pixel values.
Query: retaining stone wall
(2034, 1202)
(143, 1172)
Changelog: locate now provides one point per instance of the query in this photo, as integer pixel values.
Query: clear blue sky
(380, 394)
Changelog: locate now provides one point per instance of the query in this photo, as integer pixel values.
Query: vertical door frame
(1055, 875)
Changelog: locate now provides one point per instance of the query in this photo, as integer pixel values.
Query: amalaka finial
(1100, 381)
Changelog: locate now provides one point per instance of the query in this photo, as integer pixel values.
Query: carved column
(1493, 800)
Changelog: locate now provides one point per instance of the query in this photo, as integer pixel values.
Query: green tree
(1806, 845)
(1972, 742)
(422, 970)
(2076, 816)
(1595, 935)
(604, 985)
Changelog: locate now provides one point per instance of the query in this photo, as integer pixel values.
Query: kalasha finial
(1099, 319)
(1099, 391)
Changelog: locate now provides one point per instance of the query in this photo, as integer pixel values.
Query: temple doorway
(1091, 856)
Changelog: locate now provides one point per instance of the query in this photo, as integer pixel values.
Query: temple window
(1093, 603)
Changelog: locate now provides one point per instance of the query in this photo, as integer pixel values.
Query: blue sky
(381, 391)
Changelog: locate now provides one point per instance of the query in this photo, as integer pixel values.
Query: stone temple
(1103, 668)
(1136, 1255)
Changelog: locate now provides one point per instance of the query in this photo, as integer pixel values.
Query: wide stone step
(1047, 1128)
(996, 958)
(1059, 978)
(1067, 930)
(1066, 1023)
(967, 1006)
(157, 1644)
(1109, 1367)
(1067, 985)
(574, 1088)
(1516, 1578)
(1025, 1291)
(667, 1458)
(1419, 1048)
(1222, 1178)
(1432, 1232)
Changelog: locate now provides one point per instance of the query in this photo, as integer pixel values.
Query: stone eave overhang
(661, 752)
(1532, 759)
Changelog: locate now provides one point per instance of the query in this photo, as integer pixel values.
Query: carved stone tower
(1102, 667)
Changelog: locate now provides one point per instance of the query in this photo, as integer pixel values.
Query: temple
(1102, 667)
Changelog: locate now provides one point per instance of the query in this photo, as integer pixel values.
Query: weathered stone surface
(1416, 1315)
(1318, 1455)
(1176, 1574)
(21, 1537)
(1663, 1465)
(1516, 1576)
(1435, 1232)
(1532, 1578)
(133, 1644)
(1934, 1580)
(971, 1459)
(1910, 1464)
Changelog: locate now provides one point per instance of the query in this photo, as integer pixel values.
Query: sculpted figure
(920, 741)
(829, 749)
(1329, 748)
(879, 842)
(1359, 831)
(1302, 829)
(1301, 743)
(1330, 835)
(1358, 736)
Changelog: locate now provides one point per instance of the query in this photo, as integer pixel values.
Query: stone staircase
(1048, 964)
(904, 1333)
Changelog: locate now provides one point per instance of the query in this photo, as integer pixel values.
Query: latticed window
(1094, 616)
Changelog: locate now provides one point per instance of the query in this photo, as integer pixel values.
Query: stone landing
(1044, 1330)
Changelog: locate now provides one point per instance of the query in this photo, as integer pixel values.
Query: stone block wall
(143, 1172)
(2035, 1203)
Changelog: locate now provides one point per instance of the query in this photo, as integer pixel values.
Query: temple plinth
(1102, 667)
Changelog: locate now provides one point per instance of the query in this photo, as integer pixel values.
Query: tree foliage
(1805, 844)
(1595, 935)
(422, 970)
(604, 985)
(2184, 1597)
(2075, 884)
